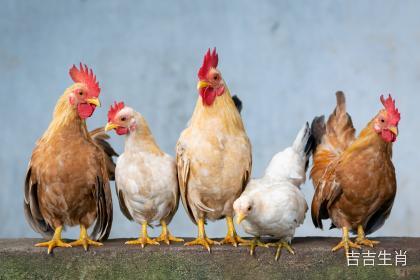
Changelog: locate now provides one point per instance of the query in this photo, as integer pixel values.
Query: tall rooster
(67, 182)
(354, 178)
(213, 155)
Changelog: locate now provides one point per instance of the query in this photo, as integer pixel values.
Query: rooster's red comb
(113, 110)
(210, 61)
(85, 75)
(393, 114)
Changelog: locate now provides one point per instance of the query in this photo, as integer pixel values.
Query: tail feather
(100, 138)
(304, 143)
(238, 103)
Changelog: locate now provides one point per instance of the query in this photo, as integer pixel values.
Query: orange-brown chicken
(67, 182)
(354, 178)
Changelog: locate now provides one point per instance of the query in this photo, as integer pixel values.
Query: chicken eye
(123, 119)
(249, 208)
(80, 93)
(215, 77)
(382, 120)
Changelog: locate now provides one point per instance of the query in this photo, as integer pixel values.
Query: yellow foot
(143, 241)
(167, 238)
(366, 242)
(253, 244)
(52, 244)
(204, 241)
(346, 244)
(234, 239)
(85, 242)
(280, 245)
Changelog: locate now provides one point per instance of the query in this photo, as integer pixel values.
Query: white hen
(274, 204)
(145, 177)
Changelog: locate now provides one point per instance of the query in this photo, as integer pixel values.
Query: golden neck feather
(65, 117)
(223, 108)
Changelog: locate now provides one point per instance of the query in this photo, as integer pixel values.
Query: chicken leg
(231, 236)
(166, 236)
(345, 242)
(143, 239)
(281, 244)
(253, 244)
(361, 238)
(202, 238)
(55, 241)
(84, 239)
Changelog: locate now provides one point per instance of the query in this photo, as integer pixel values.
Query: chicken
(67, 182)
(354, 178)
(274, 205)
(146, 179)
(213, 155)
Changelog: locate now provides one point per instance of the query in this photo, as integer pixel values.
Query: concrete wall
(284, 58)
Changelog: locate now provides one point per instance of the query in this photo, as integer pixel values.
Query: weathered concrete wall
(313, 260)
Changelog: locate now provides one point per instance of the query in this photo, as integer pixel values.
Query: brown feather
(354, 179)
(67, 181)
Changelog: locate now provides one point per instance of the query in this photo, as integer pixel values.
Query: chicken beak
(202, 84)
(110, 126)
(240, 218)
(394, 130)
(94, 101)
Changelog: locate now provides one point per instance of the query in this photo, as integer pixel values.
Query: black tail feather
(238, 103)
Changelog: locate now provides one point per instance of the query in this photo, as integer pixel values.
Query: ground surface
(313, 260)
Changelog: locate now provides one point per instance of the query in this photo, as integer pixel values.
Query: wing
(183, 168)
(31, 207)
(325, 194)
(104, 207)
(247, 173)
(100, 138)
(121, 202)
(379, 217)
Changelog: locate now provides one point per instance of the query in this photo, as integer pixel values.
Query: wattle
(85, 110)
(388, 136)
(208, 94)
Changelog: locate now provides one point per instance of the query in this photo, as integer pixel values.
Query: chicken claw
(166, 236)
(202, 238)
(54, 242)
(345, 242)
(144, 239)
(84, 240)
(280, 245)
(253, 244)
(362, 240)
(231, 236)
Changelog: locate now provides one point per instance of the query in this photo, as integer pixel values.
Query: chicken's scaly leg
(55, 241)
(231, 236)
(144, 239)
(84, 239)
(345, 242)
(279, 245)
(252, 244)
(166, 236)
(202, 238)
(361, 238)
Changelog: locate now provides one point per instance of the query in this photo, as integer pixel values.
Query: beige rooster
(213, 155)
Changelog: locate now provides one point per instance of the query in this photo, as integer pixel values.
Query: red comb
(85, 76)
(210, 61)
(393, 114)
(113, 110)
